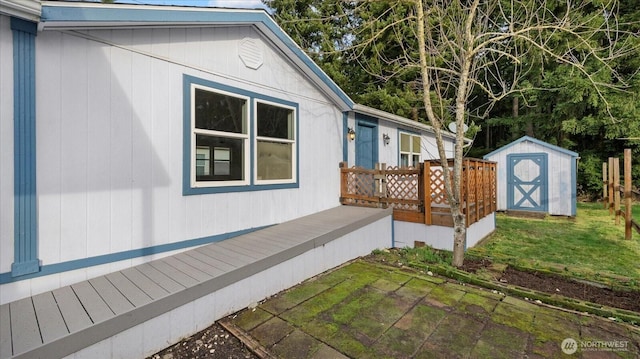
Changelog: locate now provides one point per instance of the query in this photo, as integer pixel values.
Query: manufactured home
(162, 161)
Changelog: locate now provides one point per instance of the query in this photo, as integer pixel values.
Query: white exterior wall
(558, 171)
(6, 145)
(110, 145)
(440, 237)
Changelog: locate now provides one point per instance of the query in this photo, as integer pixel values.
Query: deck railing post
(426, 175)
(343, 181)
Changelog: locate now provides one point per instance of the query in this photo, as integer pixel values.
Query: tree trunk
(459, 237)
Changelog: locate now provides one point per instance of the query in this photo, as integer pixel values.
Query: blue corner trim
(24, 26)
(115, 257)
(24, 149)
(185, 16)
(345, 142)
(187, 190)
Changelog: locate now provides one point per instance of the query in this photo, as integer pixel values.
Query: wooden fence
(418, 194)
(612, 190)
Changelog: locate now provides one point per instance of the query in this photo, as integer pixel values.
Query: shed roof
(79, 15)
(536, 141)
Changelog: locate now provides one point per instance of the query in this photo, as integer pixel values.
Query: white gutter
(24, 9)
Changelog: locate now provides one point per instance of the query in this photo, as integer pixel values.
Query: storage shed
(536, 176)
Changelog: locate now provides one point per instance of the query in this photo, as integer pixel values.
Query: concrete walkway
(366, 310)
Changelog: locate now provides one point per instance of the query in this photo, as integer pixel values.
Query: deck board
(151, 288)
(52, 325)
(95, 306)
(173, 273)
(73, 317)
(116, 301)
(131, 292)
(71, 309)
(6, 348)
(24, 326)
(166, 282)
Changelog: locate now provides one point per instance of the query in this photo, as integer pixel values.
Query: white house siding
(110, 145)
(6, 145)
(559, 173)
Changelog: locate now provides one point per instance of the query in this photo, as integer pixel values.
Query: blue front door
(527, 182)
(366, 145)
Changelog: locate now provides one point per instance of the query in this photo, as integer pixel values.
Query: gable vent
(250, 53)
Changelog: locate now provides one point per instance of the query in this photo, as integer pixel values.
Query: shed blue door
(527, 187)
(366, 146)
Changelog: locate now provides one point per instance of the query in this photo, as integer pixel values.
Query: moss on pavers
(415, 289)
(251, 318)
(454, 337)
(409, 332)
(447, 294)
(513, 316)
(293, 297)
(372, 323)
(552, 328)
(271, 331)
(347, 344)
(359, 301)
(296, 345)
(476, 304)
(500, 341)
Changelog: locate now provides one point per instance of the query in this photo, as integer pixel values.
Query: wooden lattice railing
(418, 194)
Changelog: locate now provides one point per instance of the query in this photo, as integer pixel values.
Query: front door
(366, 144)
(527, 182)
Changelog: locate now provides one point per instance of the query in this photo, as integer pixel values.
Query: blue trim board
(574, 190)
(115, 257)
(187, 190)
(24, 149)
(185, 16)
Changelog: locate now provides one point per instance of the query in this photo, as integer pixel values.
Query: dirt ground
(216, 342)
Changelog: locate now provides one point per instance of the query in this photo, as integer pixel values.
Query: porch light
(351, 134)
(386, 139)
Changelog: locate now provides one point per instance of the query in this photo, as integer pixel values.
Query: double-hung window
(410, 149)
(220, 137)
(237, 140)
(275, 143)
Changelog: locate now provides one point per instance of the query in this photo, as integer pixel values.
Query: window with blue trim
(237, 140)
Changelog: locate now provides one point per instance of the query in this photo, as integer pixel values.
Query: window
(410, 148)
(220, 132)
(275, 138)
(236, 140)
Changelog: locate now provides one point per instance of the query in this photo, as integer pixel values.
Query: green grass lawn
(590, 246)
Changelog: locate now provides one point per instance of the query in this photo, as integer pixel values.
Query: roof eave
(24, 9)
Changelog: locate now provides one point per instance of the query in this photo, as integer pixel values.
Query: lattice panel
(402, 185)
(438, 192)
(471, 184)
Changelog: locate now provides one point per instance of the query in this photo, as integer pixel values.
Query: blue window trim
(345, 142)
(24, 149)
(187, 190)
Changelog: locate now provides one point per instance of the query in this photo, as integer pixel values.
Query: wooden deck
(63, 321)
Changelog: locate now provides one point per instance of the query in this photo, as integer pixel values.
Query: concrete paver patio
(368, 310)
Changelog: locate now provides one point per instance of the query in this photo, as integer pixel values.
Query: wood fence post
(627, 193)
(426, 175)
(605, 183)
(464, 196)
(610, 186)
(616, 188)
(343, 181)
